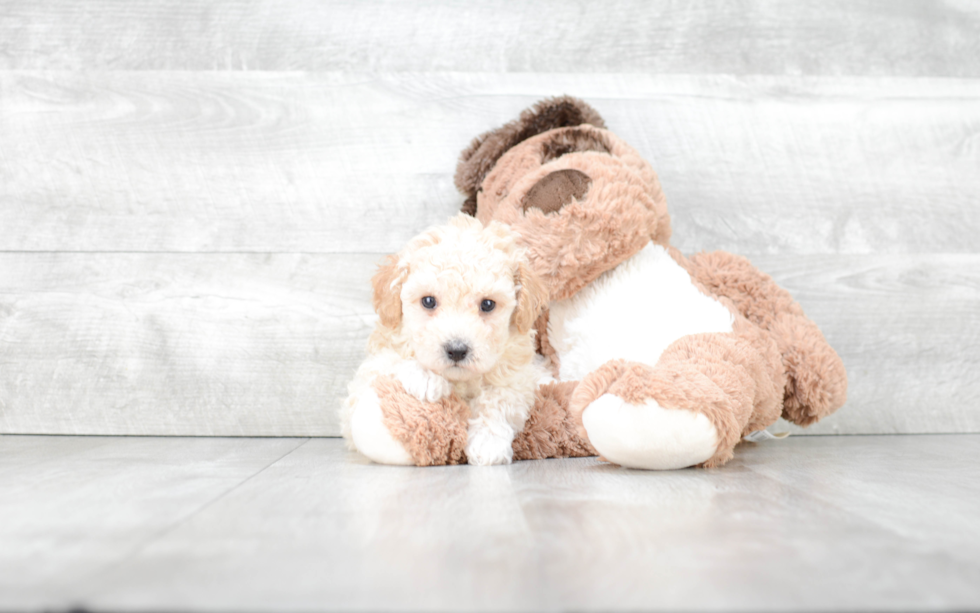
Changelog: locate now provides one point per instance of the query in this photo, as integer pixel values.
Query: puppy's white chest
(467, 390)
(632, 312)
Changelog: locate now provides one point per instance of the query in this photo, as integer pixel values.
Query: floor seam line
(170, 528)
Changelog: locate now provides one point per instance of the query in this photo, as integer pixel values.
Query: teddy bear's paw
(370, 436)
(423, 384)
(647, 435)
(489, 444)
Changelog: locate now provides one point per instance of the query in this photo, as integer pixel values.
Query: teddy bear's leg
(816, 384)
(431, 433)
(630, 423)
(691, 408)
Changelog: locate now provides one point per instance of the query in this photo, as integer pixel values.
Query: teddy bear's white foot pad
(647, 435)
(371, 437)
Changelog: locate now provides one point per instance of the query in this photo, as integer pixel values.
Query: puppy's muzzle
(456, 351)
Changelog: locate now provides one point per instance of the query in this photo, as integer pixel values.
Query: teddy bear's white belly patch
(633, 312)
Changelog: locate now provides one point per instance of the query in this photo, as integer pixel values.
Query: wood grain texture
(193, 195)
(197, 344)
(75, 508)
(809, 523)
(246, 344)
(331, 163)
(831, 37)
(908, 330)
(197, 162)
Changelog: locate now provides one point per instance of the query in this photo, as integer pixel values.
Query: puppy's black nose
(456, 350)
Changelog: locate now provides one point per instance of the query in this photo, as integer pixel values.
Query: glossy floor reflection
(808, 523)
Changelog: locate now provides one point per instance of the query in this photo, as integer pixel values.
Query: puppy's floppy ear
(387, 299)
(532, 296)
(479, 158)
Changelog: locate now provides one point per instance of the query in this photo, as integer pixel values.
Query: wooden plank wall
(193, 195)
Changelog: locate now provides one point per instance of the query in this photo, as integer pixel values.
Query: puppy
(456, 309)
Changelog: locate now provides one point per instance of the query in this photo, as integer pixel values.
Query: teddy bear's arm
(365, 430)
(387, 392)
(432, 433)
(550, 431)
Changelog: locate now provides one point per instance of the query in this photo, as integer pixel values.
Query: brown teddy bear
(661, 361)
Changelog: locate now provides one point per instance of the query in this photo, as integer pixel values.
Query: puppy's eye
(429, 302)
(487, 305)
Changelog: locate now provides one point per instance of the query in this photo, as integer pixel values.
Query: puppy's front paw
(421, 383)
(486, 445)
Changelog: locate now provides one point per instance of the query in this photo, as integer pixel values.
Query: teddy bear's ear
(479, 158)
(387, 299)
(556, 190)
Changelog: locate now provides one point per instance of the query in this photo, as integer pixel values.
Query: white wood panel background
(193, 195)
(188, 161)
(828, 37)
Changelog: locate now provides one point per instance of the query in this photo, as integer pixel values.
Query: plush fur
(662, 361)
(436, 434)
(671, 353)
(550, 431)
(599, 323)
(436, 358)
(477, 160)
(622, 211)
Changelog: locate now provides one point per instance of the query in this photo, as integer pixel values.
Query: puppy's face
(461, 291)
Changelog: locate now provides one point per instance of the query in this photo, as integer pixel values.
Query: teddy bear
(660, 361)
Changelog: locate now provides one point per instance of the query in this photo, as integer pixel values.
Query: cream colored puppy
(456, 309)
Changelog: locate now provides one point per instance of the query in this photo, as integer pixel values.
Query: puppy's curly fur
(456, 312)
